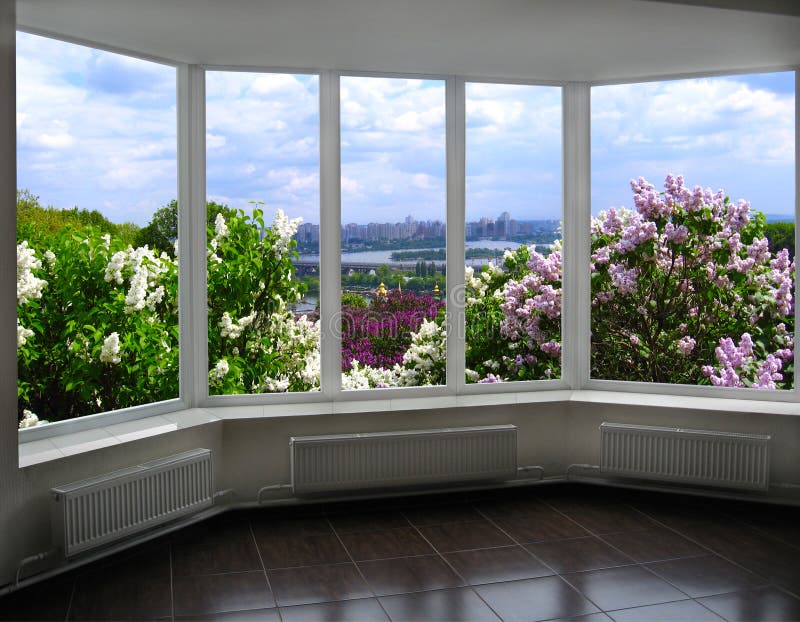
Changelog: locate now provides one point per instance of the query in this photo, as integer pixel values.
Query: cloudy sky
(98, 130)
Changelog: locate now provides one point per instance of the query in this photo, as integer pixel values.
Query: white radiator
(416, 457)
(724, 459)
(96, 511)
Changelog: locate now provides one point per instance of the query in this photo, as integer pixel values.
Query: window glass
(513, 232)
(262, 153)
(97, 326)
(693, 194)
(393, 234)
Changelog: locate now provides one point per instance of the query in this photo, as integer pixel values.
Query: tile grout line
(71, 598)
(541, 561)
(713, 552)
(452, 568)
(357, 567)
(171, 585)
(264, 568)
(637, 563)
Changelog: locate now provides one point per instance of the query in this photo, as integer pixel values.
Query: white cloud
(215, 141)
(422, 181)
(350, 186)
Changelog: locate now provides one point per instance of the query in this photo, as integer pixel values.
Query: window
(262, 146)
(513, 232)
(97, 277)
(691, 284)
(393, 232)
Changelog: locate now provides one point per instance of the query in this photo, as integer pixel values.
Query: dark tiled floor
(540, 553)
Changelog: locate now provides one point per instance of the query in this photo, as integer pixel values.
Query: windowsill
(39, 451)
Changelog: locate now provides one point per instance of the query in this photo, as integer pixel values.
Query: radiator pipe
(589, 467)
(270, 488)
(222, 493)
(29, 560)
(526, 469)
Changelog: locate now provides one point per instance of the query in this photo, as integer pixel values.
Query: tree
(780, 235)
(162, 230)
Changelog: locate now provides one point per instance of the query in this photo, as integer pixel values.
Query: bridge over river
(311, 266)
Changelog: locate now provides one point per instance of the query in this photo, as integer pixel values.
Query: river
(379, 257)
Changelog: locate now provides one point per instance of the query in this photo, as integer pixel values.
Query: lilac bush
(380, 334)
(683, 279)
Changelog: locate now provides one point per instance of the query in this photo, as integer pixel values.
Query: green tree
(780, 236)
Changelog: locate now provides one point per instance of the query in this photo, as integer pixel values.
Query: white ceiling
(533, 39)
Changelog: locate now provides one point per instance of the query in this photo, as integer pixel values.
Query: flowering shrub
(378, 335)
(684, 289)
(255, 343)
(97, 324)
(676, 282)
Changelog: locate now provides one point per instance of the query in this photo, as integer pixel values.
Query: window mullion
(192, 312)
(456, 179)
(576, 303)
(330, 236)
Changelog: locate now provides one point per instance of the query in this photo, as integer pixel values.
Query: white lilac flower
(110, 350)
(220, 228)
(29, 419)
(29, 287)
(284, 229)
(220, 370)
(22, 335)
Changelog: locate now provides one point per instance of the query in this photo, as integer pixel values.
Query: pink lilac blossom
(624, 280)
(686, 345)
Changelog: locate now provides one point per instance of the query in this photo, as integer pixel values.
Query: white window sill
(46, 449)
(33, 452)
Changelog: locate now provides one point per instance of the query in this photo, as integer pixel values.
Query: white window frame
(576, 211)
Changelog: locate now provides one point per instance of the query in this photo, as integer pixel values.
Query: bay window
(688, 285)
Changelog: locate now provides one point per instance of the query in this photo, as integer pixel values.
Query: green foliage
(61, 373)
(33, 216)
(162, 230)
(353, 300)
(780, 235)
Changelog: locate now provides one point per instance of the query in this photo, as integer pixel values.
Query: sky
(98, 130)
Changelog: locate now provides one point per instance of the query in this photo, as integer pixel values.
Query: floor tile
(442, 514)
(602, 517)
(317, 584)
(589, 617)
(252, 615)
(288, 551)
(363, 610)
(385, 543)
(506, 563)
(545, 525)
(535, 599)
(408, 574)
(706, 576)
(221, 593)
(578, 554)
(768, 604)
(680, 611)
(621, 588)
(303, 526)
(652, 545)
(133, 591)
(456, 605)
(215, 554)
(746, 546)
(358, 523)
(464, 536)
(512, 507)
(42, 601)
